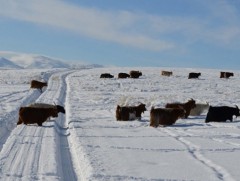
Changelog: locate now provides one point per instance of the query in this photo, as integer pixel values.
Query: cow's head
(237, 111)
(142, 107)
(60, 109)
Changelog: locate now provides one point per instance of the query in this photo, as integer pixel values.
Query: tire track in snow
(194, 151)
(63, 130)
(32, 152)
(13, 94)
(21, 98)
(61, 126)
(9, 120)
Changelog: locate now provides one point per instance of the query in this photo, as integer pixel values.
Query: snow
(87, 143)
(7, 63)
(34, 61)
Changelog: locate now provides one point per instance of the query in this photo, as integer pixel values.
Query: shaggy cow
(226, 74)
(135, 74)
(186, 106)
(193, 75)
(221, 114)
(126, 113)
(165, 116)
(38, 85)
(106, 75)
(166, 73)
(123, 75)
(199, 109)
(31, 115)
(44, 105)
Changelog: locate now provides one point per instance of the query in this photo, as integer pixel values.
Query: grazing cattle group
(132, 74)
(137, 74)
(173, 111)
(40, 112)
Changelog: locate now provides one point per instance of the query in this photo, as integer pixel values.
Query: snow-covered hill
(5, 63)
(38, 61)
(32, 61)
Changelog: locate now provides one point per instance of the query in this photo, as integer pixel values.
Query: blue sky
(169, 33)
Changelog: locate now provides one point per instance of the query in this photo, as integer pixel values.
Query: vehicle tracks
(32, 152)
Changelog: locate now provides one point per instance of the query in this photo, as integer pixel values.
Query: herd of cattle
(132, 74)
(137, 74)
(173, 111)
(40, 112)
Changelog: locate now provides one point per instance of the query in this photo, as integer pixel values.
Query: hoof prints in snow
(220, 172)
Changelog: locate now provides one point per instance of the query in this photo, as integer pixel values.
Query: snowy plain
(87, 143)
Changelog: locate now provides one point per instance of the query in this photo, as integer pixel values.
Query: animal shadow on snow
(187, 125)
(43, 126)
(143, 120)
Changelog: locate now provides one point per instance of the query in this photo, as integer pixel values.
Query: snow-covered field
(87, 143)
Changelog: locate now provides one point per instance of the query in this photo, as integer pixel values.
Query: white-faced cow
(126, 113)
(199, 109)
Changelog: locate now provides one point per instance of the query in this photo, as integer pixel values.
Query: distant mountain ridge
(5, 63)
(28, 61)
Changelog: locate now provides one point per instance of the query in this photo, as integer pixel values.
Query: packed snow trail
(40, 153)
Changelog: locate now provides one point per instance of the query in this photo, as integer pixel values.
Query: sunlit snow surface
(87, 143)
